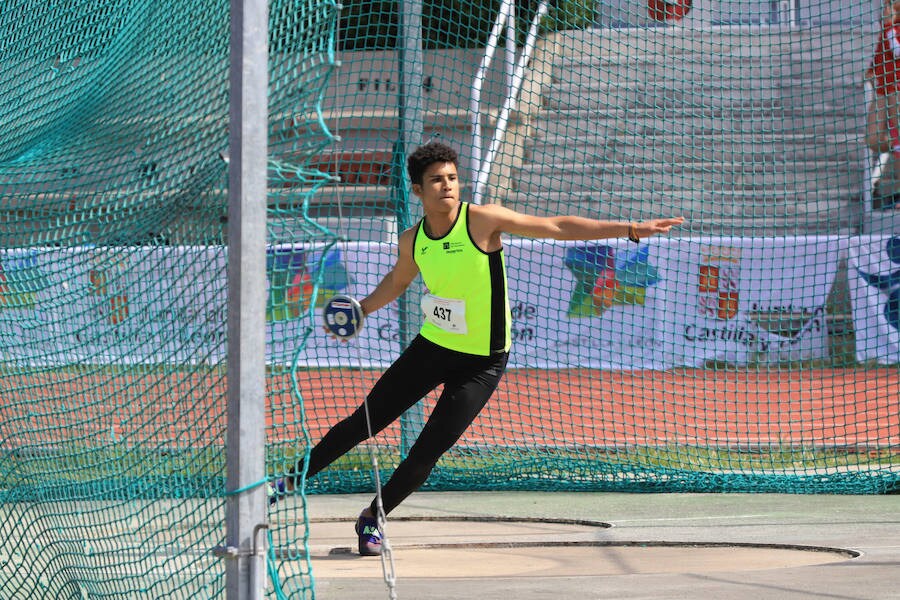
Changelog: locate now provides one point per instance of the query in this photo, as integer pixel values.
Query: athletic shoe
(277, 489)
(369, 536)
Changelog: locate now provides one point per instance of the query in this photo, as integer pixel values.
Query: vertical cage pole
(245, 509)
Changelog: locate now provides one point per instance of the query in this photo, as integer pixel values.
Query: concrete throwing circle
(490, 547)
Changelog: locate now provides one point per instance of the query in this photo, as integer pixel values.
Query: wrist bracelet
(632, 234)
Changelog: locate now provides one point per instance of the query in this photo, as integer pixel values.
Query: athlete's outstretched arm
(505, 220)
(398, 278)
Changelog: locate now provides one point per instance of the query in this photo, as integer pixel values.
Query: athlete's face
(439, 189)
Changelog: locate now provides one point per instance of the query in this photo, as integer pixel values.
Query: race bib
(446, 313)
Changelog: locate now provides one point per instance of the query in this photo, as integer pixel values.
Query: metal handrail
(481, 165)
(505, 17)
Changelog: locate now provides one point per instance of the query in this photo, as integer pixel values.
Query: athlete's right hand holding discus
(343, 317)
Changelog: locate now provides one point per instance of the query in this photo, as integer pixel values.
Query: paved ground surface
(528, 546)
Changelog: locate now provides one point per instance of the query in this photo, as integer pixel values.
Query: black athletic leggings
(469, 381)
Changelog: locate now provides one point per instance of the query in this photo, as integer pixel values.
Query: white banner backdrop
(612, 305)
(670, 302)
(113, 305)
(874, 277)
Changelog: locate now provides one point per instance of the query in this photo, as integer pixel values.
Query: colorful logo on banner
(292, 272)
(718, 283)
(888, 284)
(19, 281)
(606, 277)
(104, 282)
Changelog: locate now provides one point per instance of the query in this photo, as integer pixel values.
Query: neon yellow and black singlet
(466, 305)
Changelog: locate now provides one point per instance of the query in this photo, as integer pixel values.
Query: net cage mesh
(753, 349)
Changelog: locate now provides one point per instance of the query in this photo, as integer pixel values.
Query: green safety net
(754, 349)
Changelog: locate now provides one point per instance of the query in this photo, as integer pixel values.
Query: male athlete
(465, 338)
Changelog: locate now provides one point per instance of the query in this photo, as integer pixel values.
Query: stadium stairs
(745, 131)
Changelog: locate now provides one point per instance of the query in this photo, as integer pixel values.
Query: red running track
(821, 407)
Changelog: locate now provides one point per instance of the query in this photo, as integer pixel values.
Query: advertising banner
(611, 305)
(670, 302)
(124, 305)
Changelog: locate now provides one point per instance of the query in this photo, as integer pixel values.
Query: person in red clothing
(883, 118)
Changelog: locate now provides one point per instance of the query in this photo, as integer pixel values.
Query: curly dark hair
(427, 155)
